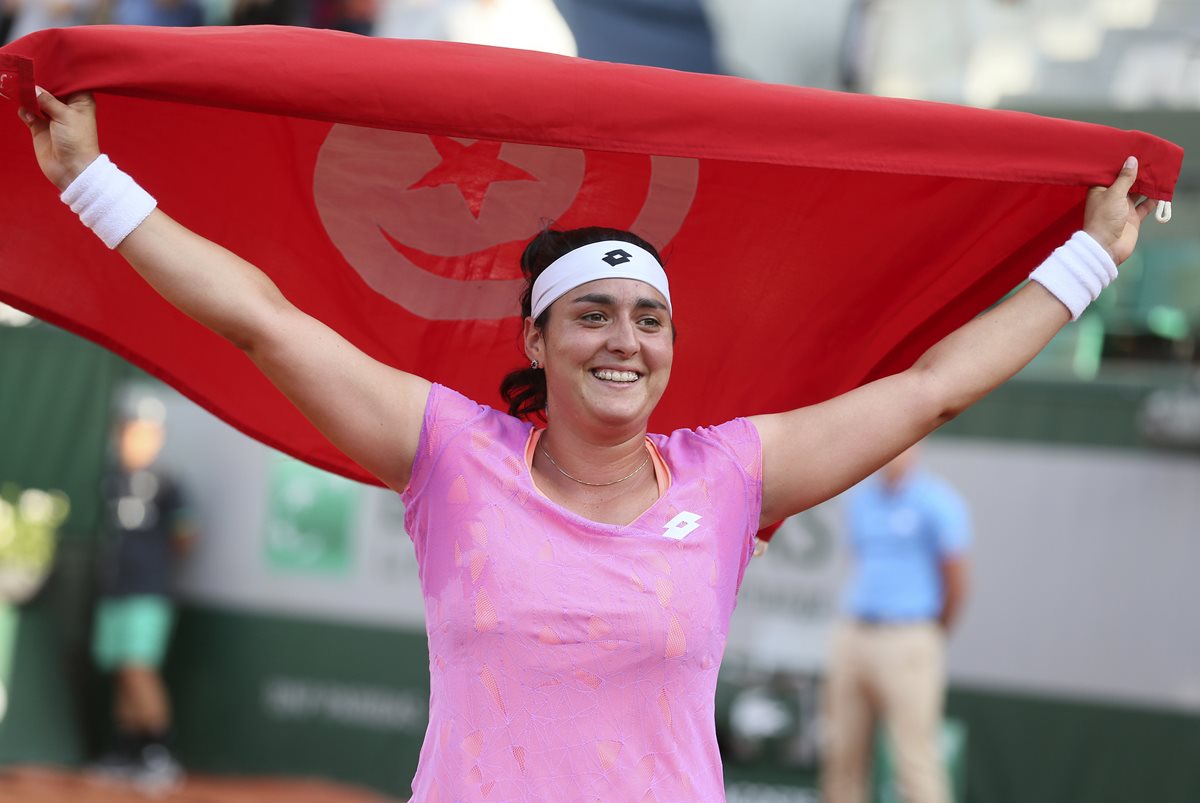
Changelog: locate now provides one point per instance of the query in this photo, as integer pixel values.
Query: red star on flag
(471, 168)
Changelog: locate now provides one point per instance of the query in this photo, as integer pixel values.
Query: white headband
(611, 259)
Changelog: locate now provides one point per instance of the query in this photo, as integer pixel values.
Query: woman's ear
(534, 341)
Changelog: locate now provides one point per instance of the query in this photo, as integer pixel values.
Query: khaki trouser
(894, 673)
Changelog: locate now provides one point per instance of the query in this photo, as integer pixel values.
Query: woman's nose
(623, 338)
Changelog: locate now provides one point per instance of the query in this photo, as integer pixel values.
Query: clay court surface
(49, 785)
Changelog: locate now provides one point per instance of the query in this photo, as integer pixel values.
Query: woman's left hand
(1112, 218)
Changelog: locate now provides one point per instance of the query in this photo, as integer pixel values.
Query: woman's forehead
(616, 291)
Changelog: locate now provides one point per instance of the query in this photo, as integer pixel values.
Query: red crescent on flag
(424, 248)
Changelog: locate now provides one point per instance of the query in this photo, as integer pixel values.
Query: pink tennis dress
(572, 660)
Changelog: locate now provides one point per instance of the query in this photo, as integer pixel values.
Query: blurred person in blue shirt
(165, 13)
(908, 535)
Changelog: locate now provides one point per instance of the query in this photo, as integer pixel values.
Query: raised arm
(814, 453)
(370, 411)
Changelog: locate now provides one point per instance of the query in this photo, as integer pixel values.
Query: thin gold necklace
(593, 484)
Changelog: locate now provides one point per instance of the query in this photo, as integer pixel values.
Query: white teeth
(615, 376)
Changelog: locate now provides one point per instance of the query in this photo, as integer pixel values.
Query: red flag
(814, 240)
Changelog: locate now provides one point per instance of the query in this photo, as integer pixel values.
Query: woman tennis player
(578, 578)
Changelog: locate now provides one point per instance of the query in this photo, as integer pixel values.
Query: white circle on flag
(420, 218)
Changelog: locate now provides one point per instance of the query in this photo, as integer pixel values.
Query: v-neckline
(662, 476)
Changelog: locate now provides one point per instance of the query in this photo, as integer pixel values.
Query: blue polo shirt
(899, 537)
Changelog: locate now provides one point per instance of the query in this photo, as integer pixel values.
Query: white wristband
(1076, 272)
(108, 201)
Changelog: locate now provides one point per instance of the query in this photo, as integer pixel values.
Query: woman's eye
(651, 321)
(594, 317)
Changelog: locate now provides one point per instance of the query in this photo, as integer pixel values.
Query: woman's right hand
(66, 142)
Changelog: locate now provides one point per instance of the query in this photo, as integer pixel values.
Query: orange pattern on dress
(513, 464)
(598, 628)
(664, 589)
(608, 751)
(473, 744)
(676, 640)
(458, 491)
(643, 773)
(588, 679)
(485, 613)
(489, 683)
(478, 560)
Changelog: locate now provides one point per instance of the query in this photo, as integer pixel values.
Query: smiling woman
(579, 578)
(524, 390)
(599, 336)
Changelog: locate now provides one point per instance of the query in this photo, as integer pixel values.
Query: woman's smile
(616, 376)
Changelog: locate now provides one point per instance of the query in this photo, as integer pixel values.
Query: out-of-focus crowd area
(1129, 53)
(425, 19)
(1122, 53)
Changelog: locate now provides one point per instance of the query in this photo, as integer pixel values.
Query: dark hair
(524, 390)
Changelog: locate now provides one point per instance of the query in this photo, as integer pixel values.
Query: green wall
(54, 412)
(55, 390)
(1022, 748)
(1067, 413)
(222, 669)
(1034, 749)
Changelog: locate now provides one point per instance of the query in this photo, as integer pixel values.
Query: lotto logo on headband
(617, 257)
